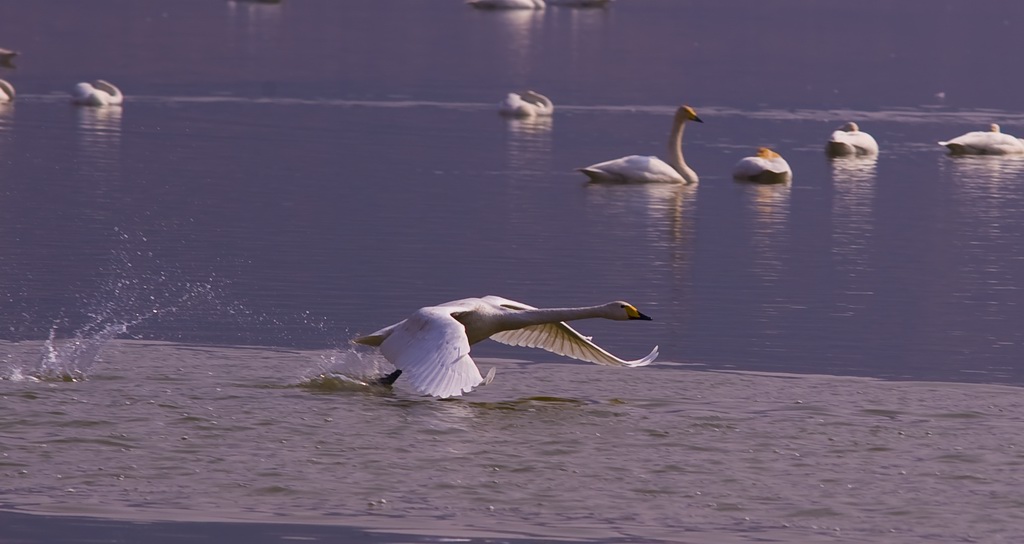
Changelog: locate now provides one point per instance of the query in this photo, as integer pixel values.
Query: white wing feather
(633, 169)
(561, 339)
(432, 351)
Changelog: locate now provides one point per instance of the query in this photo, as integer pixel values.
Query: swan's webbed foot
(388, 380)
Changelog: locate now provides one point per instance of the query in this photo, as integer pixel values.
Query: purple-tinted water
(284, 176)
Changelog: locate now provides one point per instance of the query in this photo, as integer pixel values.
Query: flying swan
(979, 142)
(527, 104)
(507, 4)
(97, 93)
(850, 141)
(766, 167)
(641, 169)
(431, 347)
(6, 91)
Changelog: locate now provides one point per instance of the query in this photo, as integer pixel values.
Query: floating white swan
(507, 4)
(766, 167)
(850, 141)
(431, 347)
(641, 169)
(527, 104)
(98, 93)
(992, 142)
(6, 91)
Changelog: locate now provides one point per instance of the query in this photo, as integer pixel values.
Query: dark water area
(284, 176)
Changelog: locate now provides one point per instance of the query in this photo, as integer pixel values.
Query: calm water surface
(841, 357)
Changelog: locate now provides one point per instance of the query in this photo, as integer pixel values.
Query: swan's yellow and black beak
(633, 313)
(698, 119)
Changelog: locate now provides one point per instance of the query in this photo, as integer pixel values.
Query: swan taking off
(98, 93)
(850, 141)
(641, 169)
(6, 91)
(527, 104)
(506, 4)
(992, 142)
(431, 347)
(766, 167)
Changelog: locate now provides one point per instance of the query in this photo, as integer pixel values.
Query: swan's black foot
(389, 379)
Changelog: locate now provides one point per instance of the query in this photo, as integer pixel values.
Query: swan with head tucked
(6, 91)
(765, 167)
(97, 93)
(849, 140)
(527, 104)
(431, 347)
(641, 169)
(992, 142)
(506, 4)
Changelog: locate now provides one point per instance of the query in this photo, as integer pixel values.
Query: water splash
(348, 369)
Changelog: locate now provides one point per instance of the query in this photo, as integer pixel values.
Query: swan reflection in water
(769, 208)
(853, 183)
(529, 143)
(988, 186)
(99, 138)
(516, 29)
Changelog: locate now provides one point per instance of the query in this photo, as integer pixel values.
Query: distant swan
(98, 93)
(6, 56)
(992, 142)
(6, 91)
(766, 167)
(849, 141)
(431, 346)
(507, 4)
(528, 104)
(641, 169)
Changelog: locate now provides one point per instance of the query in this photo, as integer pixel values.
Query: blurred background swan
(97, 93)
(765, 167)
(507, 4)
(7, 57)
(6, 91)
(641, 169)
(993, 142)
(850, 140)
(527, 104)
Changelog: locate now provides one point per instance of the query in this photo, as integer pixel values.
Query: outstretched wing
(432, 351)
(561, 339)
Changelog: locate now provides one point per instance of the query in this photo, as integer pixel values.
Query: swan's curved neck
(675, 152)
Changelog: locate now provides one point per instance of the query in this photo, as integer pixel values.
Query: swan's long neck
(675, 152)
(541, 316)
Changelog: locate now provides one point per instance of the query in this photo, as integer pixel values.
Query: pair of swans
(766, 167)
(526, 104)
(991, 142)
(97, 93)
(6, 91)
(431, 347)
(851, 141)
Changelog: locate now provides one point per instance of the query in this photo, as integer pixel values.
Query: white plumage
(993, 142)
(431, 347)
(766, 167)
(97, 93)
(851, 141)
(6, 91)
(650, 169)
(527, 104)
